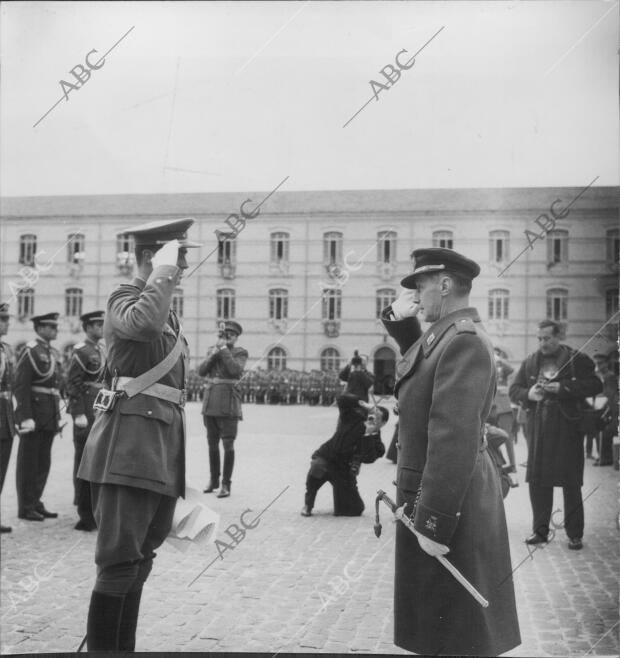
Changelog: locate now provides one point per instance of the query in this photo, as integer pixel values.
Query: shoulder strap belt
(136, 385)
(160, 391)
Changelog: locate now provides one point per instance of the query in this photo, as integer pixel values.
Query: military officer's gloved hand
(431, 547)
(405, 305)
(167, 255)
(27, 426)
(535, 393)
(80, 421)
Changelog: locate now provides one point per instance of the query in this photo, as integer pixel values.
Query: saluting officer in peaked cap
(159, 232)
(438, 259)
(235, 327)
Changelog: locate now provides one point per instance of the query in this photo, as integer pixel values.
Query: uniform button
(149, 412)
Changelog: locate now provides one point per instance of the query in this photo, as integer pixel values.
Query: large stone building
(308, 276)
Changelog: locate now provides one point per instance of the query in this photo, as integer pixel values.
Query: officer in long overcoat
(552, 384)
(37, 380)
(134, 457)
(83, 384)
(445, 478)
(221, 405)
(7, 415)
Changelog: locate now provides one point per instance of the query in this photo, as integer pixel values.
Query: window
(443, 239)
(75, 247)
(498, 244)
(611, 302)
(278, 304)
(73, 302)
(25, 303)
(330, 359)
(27, 248)
(498, 304)
(124, 244)
(125, 256)
(557, 247)
(276, 359)
(279, 248)
(225, 304)
(386, 247)
(177, 301)
(332, 304)
(557, 304)
(613, 247)
(226, 252)
(332, 248)
(385, 297)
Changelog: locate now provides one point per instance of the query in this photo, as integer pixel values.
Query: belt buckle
(183, 398)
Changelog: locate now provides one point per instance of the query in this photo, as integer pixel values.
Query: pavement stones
(294, 584)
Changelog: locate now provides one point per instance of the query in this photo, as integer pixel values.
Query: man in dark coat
(134, 457)
(221, 405)
(7, 416)
(83, 383)
(37, 380)
(552, 384)
(445, 477)
(357, 440)
(357, 377)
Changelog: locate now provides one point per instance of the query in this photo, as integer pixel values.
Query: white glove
(535, 393)
(405, 306)
(27, 426)
(167, 255)
(80, 421)
(431, 547)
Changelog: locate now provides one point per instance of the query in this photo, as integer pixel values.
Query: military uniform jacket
(85, 369)
(7, 416)
(445, 387)
(223, 399)
(556, 455)
(141, 442)
(39, 366)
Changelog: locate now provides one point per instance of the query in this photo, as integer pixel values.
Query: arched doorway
(384, 370)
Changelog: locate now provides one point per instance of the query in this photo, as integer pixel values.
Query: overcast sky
(234, 96)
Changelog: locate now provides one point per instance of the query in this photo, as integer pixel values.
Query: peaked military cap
(47, 318)
(4, 310)
(438, 259)
(93, 316)
(231, 325)
(162, 231)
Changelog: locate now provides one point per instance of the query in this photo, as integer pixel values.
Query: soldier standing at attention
(221, 406)
(445, 477)
(86, 366)
(7, 417)
(37, 378)
(134, 456)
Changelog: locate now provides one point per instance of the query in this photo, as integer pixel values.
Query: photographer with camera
(357, 377)
(221, 405)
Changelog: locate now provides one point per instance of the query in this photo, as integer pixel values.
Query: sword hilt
(382, 496)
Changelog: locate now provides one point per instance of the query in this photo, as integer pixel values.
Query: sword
(399, 513)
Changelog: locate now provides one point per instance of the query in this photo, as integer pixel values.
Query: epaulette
(465, 326)
(31, 343)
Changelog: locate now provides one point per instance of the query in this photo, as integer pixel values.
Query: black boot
(214, 484)
(224, 492)
(104, 620)
(129, 621)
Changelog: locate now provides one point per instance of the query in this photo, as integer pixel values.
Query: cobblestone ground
(294, 584)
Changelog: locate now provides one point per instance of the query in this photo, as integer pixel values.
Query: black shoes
(84, 525)
(306, 511)
(575, 544)
(31, 516)
(47, 515)
(224, 492)
(5, 528)
(212, 486)
(536, 539)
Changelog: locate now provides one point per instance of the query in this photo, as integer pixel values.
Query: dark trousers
(34, 458)
(347, 500)
(6, 444)
(605, 444)
(219, 427)
(132, 523)
(542, 502)
(81, 488)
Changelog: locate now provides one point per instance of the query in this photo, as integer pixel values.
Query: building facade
(308, 276)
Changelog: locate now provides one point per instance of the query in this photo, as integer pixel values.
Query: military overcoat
(222, 395)
(556, 456)
(445, 387)
(141, 442)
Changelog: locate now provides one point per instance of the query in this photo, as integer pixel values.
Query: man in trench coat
(451, 489)
(552, 385)
(134, 456)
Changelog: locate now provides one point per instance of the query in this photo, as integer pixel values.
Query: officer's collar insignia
(430, 339)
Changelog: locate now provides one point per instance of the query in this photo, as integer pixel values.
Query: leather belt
(45, 390)
(160, 391)
(221, 380)
(6, 395)
(94, 384)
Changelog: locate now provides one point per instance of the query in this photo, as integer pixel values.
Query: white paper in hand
(193, 522)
